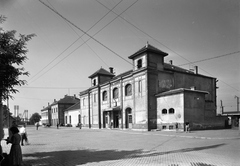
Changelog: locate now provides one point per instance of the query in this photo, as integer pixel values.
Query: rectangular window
(130, 118)
(94, 97)
(139, 86)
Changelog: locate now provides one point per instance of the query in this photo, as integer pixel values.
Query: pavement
(70, 146)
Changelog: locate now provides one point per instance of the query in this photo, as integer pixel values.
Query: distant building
(233, 120)
(153, 95)
(53, 114)
(72, 115)
(46, 115)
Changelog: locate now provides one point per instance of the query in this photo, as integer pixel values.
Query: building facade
(153, 95)
(72, 115)
(53, 114)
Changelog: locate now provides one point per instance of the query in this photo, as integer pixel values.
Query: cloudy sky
(75, 38)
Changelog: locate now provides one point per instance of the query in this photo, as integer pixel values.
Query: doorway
(128, 118)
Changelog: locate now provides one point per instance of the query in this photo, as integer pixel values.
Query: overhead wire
(74, 41)
(90, 29)
(90, 37)
(207, 59)
(163, 44)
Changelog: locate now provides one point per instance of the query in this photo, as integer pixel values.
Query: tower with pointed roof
(100, 76)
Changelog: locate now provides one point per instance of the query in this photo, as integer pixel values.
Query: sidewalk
(200, 134)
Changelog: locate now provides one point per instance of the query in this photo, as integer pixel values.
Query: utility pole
(221, 107)
(237, 103)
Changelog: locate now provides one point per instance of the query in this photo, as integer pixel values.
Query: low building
(153, 95)
(72, 115)
(53, 114)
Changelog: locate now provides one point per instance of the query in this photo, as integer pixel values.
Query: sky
(75, 38)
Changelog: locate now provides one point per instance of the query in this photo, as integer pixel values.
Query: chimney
(111, 69)
(193, 88)
(196, 69)
(171, 62)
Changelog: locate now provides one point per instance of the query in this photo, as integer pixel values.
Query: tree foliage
(12, 55)
(36, 117)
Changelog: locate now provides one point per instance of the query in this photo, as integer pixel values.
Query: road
(94, 147)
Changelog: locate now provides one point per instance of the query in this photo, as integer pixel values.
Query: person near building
(176, 125)
(23, 134)
(187, 125)
(15, 155)
(80, 125)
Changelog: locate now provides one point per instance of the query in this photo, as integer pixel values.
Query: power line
(89, 38)
(220, 56)
(74, 41)
(86, 32)
(163, 44)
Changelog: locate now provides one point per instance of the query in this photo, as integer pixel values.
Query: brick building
(53, 114)
(153, 95)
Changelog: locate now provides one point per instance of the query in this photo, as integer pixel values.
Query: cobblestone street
(72, 146)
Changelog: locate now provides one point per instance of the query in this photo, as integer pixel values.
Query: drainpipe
(89, 110)
(99, 107)
(121, 106)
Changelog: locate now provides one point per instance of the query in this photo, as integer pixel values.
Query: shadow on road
(78, 157)
(184, 150)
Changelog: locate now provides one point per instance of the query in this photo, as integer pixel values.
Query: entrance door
(128, 118)
(106, 119)
(116, 119)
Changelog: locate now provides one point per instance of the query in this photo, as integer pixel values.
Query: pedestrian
(37, 125)
(57, 125)
(111, 123)
(187, 127)
(80, 125)
(15, 155)
(23, 134)
(176, 125)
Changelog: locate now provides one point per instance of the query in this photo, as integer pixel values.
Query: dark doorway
(128, 118)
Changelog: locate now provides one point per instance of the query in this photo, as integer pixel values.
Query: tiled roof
(101, 71)
(68, 99)
(74, 107)
(148, 48)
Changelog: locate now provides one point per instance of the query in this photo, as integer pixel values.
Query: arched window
(171, 111)
(94, 82)
(140, 86)
(104, 96)
(115, 93)
(128, 90)
(139, 63)
(164, 111)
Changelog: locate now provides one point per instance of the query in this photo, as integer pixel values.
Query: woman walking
(15, 156)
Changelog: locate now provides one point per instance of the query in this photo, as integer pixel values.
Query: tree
(35, 118)
(12, 55)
